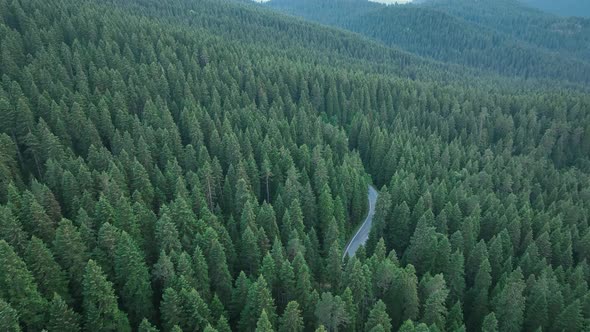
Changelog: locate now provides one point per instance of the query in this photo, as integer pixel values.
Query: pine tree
(490, 323)
(201, 273)
(209, 328)
(18, 287)
(8, 317)
(170, 309)
(570, 319)
(218, 269)
(146, 326)
(423, 243)
(249, 252)
(163, 273)
(61, 317)
(167, 235)
(509, 303)
(537, 308)
(291, 320)
(434, 292)
(259, 298)
(101, 312)
(269, 271)
(194, 312)
(455, 318)
(132, 279)
(47, 273)
(378, 316)
(106, 246)
(70, 253)
(334, 265)
(11, 230)
(223, 325)
(408, 326)
(263, 324)
(478, 302)
(34, 218)
(240, 295)
(400, 234)
(404, 291)
(217, 309)
(331, 312)
(351, 309)
(325, 208)
(454, 276)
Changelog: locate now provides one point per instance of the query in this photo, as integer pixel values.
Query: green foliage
(48, 275)
(9, 317)
(101, 311)
(498, 36)
(378, 317)
(331, 312)
(291, 320)
(62, 317)
(18, 287)
(264, 324)
(132, 278)
(200, 165)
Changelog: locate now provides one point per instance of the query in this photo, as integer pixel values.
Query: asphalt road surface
(362, 234)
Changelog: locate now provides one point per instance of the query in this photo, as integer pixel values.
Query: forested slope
(501, 35)
(170, 166)
(564, 35)
(580, 8)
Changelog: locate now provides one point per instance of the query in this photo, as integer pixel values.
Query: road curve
(362, 234)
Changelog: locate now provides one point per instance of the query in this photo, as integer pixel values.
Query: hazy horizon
(388, 2)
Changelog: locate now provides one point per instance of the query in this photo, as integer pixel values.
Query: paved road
(362, 234)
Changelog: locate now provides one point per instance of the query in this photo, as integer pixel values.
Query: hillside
(579, 8)
(502, 36)
(559, 34)
(201, 166)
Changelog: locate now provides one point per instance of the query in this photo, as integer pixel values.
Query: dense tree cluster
(502, 36)
(163, 171)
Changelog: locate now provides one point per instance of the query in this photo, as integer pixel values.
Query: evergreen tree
(9, 317)
(201, 273)
(378, 317)
(570, 319)
(62, 317)
(47, 273)
(259, 299)
(291, 320)
(264, 324)
(509, 303)
(334, 265)
(249, 252)
(70, 253)
(490, 323)
(146, 326)
(170, 309)
(434, 292)
(194, 312)
(101, 312)
(218, 268)
(18, 287)
(331, 312)
(132, 279)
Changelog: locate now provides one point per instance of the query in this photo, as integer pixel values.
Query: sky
(391, 1)
(380, 1)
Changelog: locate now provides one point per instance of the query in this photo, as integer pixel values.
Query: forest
(200, 165)
(502, 36)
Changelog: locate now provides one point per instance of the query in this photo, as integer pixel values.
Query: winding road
(362, 234)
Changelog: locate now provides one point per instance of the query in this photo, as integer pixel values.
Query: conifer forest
(206, 165)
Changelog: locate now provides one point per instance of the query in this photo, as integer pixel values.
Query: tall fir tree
(101, 311)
